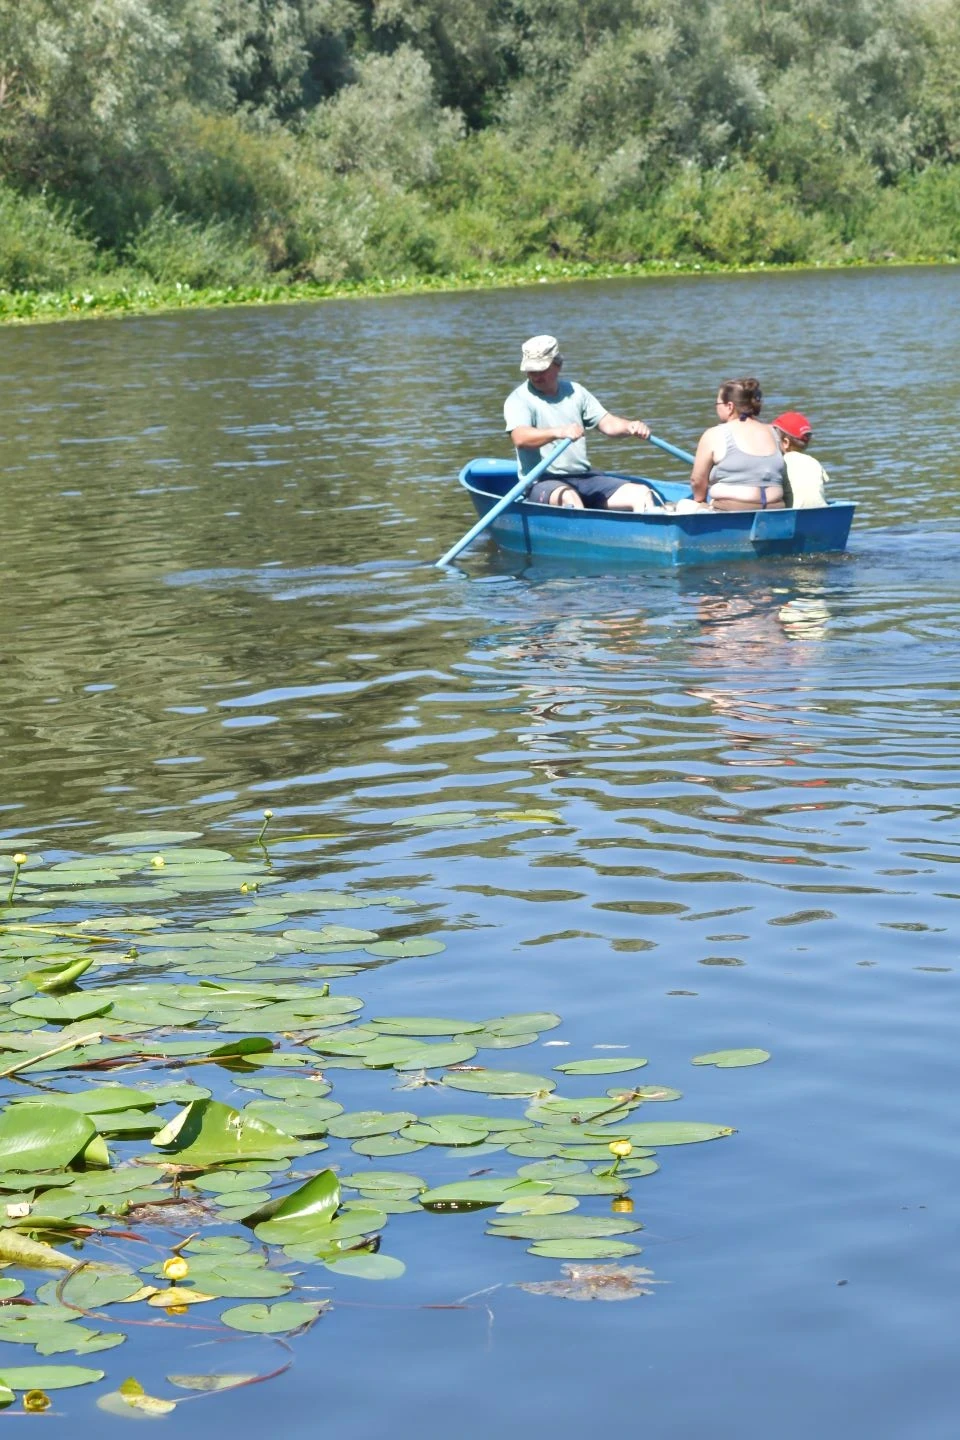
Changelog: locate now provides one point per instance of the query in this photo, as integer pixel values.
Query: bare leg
(566, 497)
(631, 496)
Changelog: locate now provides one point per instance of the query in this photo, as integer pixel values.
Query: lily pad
(401, 949)
(443, 1131)
(583, 1249)
(659, 1133)
(474, 1194)
(601, 1067)
(207, 1133)
(732, 1059)
(48, 1377)
(417, 1025)
(352, 1126)
(276, 1319)
(436, 1055)
(499, 1082)
(368, 1266)
(42, 1137)
(561, 1227)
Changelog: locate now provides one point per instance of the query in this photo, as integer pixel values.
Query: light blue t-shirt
(572, 405)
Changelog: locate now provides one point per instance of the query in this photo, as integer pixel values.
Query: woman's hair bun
(744, 394)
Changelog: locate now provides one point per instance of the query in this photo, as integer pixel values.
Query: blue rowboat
(618, 537)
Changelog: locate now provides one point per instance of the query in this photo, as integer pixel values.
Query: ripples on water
(219, 533)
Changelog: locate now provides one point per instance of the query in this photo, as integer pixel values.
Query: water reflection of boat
(659, 537)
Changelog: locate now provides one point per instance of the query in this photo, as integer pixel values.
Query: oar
(671, 449)
(519, 489)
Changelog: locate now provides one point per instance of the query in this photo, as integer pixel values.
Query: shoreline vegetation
(101, 300)
(182, 153)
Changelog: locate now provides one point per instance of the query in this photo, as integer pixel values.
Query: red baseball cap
(792, 423)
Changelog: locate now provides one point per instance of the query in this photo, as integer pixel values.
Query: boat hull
(658, 538)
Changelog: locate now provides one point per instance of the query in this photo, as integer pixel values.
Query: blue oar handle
(521, 487)
(673, 450)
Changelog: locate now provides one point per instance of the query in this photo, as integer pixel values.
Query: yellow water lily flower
(36, 1400)
(176, 1268)
(158, 862)
(620, 1148)
(19, 858)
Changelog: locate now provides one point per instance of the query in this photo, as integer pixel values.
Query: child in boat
(806, 477)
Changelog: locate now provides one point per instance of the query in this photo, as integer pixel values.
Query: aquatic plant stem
(19, 861)
(70, 1044)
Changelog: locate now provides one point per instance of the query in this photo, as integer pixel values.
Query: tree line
(233, 142)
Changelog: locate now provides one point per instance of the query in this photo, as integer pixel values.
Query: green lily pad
(42, 1137)
(389, 1182)
(367, 1266)
(657, 1133)
(443, 1131)
(583, 1249)
(474, 1194)
(539, 1205)
(401, 949)
(207, 1133)
(590, 1184)
(561, 1227)
(292, 1117)
(61, 1009)
(319, 1234)
(499, 1082)
(317, 1201)
(417, 1025)
(636, 1167)
(96, 1100)
(369, 1122)
(276, 1319)
(48, 1377)
(732, 1059)
(90, 1288)
(223, 1182)
(601, 1067)
(379, 1146)
(534, 1021)
(436, 1055)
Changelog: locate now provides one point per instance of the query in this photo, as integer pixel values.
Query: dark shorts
(594, 488)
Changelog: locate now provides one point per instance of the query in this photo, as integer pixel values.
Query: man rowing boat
(545, 409)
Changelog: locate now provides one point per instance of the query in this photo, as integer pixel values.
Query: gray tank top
(739, 468)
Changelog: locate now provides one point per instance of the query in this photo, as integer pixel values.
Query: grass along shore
(103, 298)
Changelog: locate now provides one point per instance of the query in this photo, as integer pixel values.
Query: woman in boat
(739, 464)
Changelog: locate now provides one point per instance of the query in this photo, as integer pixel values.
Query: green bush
(919, 219)
(171, 250)
(728, 217)
(39, 247)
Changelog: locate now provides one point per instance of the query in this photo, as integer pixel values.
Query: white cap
(539, 353)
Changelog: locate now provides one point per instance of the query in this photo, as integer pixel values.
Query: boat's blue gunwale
(657, 537)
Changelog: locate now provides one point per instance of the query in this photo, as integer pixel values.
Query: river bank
(103, 298)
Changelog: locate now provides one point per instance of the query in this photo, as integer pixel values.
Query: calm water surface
(219, 596)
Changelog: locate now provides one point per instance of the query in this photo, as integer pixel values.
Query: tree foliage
(337, 138)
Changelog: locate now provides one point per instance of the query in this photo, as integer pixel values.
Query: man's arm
(532, 437)
(616, 425)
